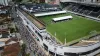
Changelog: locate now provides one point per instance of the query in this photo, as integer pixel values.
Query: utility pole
(65, 38)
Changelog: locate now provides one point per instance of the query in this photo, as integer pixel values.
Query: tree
(12, 30)
(28, 54)
(23, 49)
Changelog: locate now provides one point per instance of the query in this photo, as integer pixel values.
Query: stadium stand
(84, 9)
(35, 8)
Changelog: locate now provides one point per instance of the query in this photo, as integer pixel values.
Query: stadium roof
(39, 24)
(49, 13)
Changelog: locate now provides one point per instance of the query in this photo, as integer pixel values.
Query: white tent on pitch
(62, 18)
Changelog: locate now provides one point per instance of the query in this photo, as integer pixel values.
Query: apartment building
(4, 2)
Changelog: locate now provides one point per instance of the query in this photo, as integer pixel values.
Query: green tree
(12, 30)
(28, 54)
(23, 49)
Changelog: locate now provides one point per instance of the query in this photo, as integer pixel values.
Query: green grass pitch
(73, 29)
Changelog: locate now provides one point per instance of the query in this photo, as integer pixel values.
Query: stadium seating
(84, 9)
(41, 7)
(95, 12)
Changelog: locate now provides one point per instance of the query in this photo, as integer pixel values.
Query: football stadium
(70, 31)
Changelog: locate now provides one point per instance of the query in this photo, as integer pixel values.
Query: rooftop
(34, 20)
(12, 48)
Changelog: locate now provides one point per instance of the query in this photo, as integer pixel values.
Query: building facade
(82, 1)
(4, 2)
(57, 2)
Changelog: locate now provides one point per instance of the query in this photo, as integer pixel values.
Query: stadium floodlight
(55, 34)
(65, 38)
(65, 41)
(55, 50)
